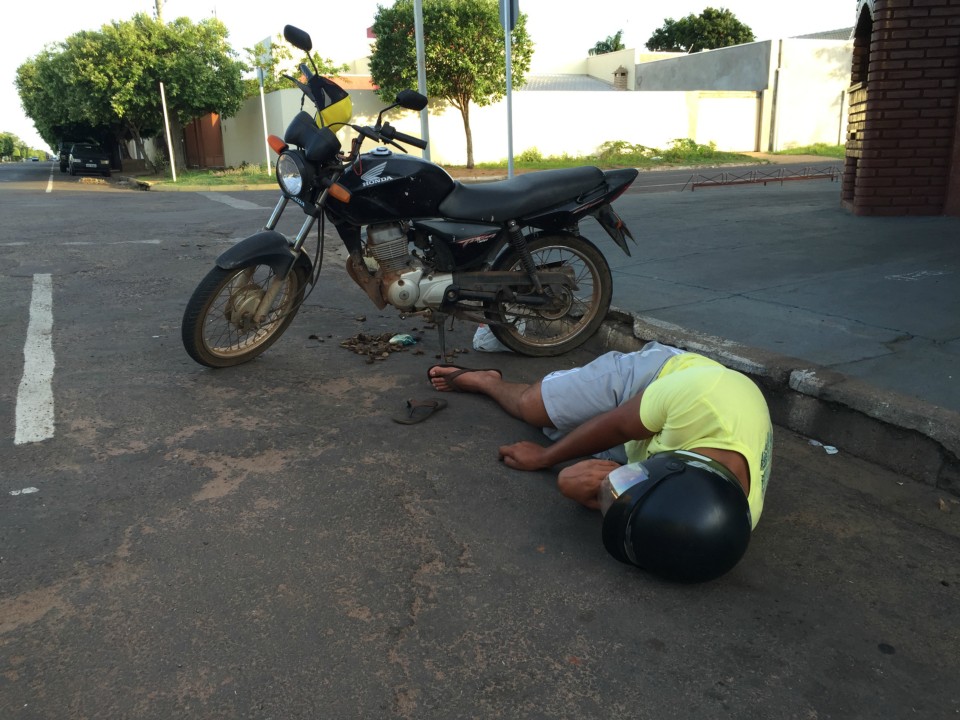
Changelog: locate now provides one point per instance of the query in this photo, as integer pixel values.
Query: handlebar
(391, 133)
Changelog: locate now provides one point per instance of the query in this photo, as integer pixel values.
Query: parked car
(88, 158)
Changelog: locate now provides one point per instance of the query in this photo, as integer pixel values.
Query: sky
(339, 29)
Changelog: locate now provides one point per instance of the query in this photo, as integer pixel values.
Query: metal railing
(757, 177)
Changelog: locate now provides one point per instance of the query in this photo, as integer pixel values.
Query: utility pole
(509, 12)
(421, 73)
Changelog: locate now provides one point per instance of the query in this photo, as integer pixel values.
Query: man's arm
(597, 434)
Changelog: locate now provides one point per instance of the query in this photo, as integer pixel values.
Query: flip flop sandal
(449, 379)
(417, 411)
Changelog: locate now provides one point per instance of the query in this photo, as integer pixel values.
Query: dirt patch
(379, 347)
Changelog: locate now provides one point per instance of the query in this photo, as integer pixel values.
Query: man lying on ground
(632, 407)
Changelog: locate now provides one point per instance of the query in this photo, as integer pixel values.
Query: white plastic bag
(485, 341)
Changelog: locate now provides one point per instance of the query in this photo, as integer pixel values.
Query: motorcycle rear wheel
(546, 331)
(218, 328)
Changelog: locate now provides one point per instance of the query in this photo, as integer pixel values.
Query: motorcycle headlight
(293, 174)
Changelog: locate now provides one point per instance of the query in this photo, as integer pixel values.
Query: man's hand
(524, 455)
(581, 481)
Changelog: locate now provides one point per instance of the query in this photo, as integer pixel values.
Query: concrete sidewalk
(851, 324)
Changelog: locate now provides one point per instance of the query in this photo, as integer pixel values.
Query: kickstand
(442, 332)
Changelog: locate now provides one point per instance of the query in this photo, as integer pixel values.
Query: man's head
(678, 514)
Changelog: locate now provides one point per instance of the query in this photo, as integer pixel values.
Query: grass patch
(682, 151)
(613, 154)
(618, 153)
(822, 149)
(245, 175)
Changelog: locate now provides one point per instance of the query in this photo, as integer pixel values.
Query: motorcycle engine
(401, 274)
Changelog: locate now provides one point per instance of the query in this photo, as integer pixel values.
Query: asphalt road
(263, 542)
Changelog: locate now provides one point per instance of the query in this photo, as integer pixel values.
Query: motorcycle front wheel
(566, 321)
(219, 328)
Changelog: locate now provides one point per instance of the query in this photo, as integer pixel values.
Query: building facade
(903, 137)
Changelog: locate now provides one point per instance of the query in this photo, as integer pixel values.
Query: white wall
(603, 66)
(811, 104)
(555, 123)
(728, 119)
(767, 95)
(803, 84)
(741, 67)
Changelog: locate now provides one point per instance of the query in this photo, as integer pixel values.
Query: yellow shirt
(697, 402)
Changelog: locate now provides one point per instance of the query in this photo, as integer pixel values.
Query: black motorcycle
(508, 254)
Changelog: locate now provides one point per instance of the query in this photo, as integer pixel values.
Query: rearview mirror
(411, 100)
(297, 37)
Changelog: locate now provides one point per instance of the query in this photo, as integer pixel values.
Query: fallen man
(688, 430)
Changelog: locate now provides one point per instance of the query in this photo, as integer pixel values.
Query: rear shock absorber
(519, 243)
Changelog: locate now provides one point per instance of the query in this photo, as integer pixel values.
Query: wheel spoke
(224, 331)
(554, 258)
(573, 310)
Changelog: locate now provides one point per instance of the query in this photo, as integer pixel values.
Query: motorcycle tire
(567, 323)
(217, 328)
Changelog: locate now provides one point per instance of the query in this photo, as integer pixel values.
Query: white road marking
(35, 397)
(121, 242)
(87, 242)
(178, 241)
(235, 203)
(917, 275)
(25, 491)
(50, 181)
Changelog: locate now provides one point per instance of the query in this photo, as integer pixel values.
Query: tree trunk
(465, 114)
(176, 139)
(141, 150)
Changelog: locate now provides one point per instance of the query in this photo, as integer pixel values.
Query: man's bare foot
(450, 378)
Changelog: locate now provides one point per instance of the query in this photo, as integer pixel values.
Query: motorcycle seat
(519, 196)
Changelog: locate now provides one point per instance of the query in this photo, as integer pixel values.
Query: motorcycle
(507, 254)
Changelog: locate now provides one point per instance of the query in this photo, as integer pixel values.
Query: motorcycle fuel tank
(387, 186)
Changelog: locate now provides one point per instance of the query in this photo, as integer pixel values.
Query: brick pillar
(903, 124)
(953, 189)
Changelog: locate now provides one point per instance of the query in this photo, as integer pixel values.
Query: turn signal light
(276, 144)
(339, 192)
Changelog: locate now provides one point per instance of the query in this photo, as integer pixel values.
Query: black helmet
(679, 515)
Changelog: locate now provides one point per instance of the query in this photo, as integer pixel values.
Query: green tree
(278, 61)
(710, 29)
(125, 89)
(107, 82)
(611, 44)
(6, 144)
(12, 146)
(464, 53)
(200, 73)
(46, 93)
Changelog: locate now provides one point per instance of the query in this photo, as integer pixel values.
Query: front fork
(276, 283)
(305, 229)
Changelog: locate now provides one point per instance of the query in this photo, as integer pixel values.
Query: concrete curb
(914, 438)
(163, 187)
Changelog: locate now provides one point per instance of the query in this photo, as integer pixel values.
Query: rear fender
(267, 248)
(617, 183)
(615, 227)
